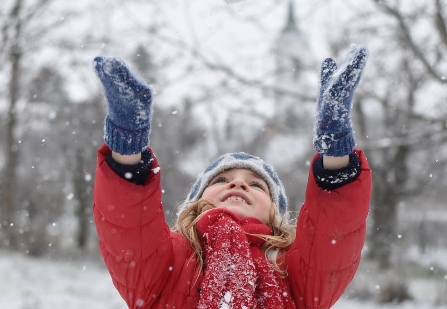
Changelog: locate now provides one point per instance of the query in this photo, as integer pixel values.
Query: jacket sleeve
(330, 236)
(134, 238)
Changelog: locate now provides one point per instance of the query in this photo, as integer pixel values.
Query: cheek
(210, 194)
(265, 205)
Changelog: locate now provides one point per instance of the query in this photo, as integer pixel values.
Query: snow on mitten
(129, 105)
(333, 133)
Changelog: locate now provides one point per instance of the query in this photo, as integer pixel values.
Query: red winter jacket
(150, 265)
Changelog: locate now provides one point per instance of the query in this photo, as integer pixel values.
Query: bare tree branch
(414, 139)
(406, 32)
(440, 23)
(9, 23)
(231, 73)
(38, 8)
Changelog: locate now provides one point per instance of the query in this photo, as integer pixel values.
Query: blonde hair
(283, 233)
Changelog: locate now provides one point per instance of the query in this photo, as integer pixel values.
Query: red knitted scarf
(237, 274)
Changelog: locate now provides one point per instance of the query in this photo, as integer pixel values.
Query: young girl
(232, 246)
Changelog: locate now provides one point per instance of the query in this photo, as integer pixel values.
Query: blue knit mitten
(129, 104)
(333, 134)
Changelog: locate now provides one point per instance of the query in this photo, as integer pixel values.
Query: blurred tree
(83, 132)
(12, 27)
(401, 105)
(41, 173)
(53, 138)
(23, 28)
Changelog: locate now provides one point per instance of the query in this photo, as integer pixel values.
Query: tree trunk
(384, 213)
(387, 191)
(8, 208)
(81, 189)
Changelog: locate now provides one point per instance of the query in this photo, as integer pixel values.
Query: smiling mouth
(235, 198)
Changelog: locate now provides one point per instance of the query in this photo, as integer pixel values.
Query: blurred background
(228, 77)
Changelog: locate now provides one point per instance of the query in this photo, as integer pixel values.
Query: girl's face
(241, 191)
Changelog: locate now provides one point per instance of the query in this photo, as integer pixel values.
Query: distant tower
(293, 74)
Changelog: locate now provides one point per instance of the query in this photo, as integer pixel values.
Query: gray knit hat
(240, 160)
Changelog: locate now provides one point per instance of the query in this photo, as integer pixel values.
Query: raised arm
(331, 224)
(134, 238)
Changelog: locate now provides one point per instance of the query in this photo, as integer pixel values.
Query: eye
(219, 179)
(258, 185)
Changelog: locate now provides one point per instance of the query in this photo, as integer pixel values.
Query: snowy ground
(28, 283)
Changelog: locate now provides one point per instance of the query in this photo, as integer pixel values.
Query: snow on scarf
(237, 274)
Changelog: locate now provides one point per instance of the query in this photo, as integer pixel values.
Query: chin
(237, 211)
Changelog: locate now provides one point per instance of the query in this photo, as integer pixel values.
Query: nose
(238, 183)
